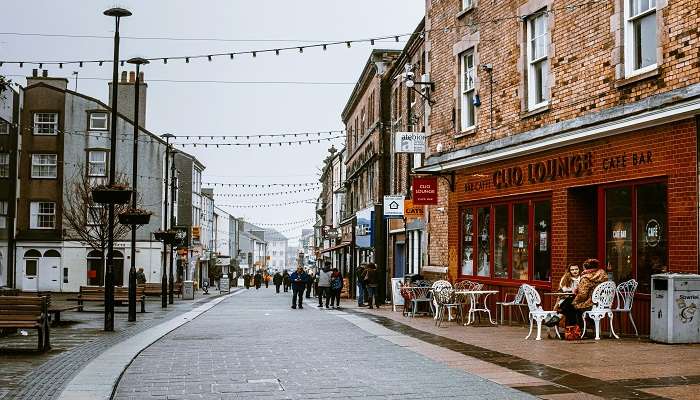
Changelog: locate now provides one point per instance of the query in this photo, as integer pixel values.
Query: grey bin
(675, 299)
(188, 290)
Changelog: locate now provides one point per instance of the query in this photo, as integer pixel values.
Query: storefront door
(399, 260)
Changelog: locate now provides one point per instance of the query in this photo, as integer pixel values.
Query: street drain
(273, 381)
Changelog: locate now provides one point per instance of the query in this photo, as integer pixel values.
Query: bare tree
(88, 221)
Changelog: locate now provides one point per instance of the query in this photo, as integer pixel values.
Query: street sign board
(409, 142)
(425, 190)
(413, 211)
(393, 206)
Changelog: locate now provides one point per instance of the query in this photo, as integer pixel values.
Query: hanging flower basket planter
(135, 216)
(115, 194)
(167, 237)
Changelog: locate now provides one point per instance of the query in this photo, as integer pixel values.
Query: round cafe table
(473, 306)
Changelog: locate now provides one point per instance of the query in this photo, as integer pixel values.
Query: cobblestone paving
(26, 374)
(253, 346)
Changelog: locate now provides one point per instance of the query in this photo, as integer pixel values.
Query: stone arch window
(32, 254)
(52, 253)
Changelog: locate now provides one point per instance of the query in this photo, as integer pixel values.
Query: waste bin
(675, 317)
(188, 290)
(224, 284)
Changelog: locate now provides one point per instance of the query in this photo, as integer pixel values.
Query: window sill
(464, 12)
(621, 83)
(467, 132)
(535, 111)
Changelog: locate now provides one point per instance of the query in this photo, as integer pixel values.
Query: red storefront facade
(629, 199)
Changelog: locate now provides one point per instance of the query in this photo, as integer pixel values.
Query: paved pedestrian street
(253, 345)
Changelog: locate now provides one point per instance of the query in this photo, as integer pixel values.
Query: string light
(260, 144)
(265, 194)
(262, 185)
(286, 203)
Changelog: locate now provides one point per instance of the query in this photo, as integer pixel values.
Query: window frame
(532, 62)
(4, 207)
(33, 164)
(34, 217)
(630, 56)
(467, 106)
(467, 4)
(491, 204)
(4, 165)
(90, 120)
(4, 128)
(36, 124)
(90, 163)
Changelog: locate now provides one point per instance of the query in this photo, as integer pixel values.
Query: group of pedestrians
(330, 285)
(366, 278)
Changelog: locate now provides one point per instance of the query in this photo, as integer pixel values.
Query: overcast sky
(216, 108)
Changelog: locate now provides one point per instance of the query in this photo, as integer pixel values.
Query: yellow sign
(411, 211)
(195, 233)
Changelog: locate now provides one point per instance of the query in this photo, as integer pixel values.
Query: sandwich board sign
(393, 206)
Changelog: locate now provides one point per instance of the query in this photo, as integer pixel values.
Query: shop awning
(340, 246)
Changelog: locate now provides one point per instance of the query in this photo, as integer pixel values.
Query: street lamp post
(171, 288)
(117, 13)
(134, 167)
(164, 276)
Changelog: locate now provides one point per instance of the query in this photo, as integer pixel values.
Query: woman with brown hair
(572, 308)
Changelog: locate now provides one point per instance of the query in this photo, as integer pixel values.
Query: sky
(199, 108)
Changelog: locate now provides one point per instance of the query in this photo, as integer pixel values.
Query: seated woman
(572, 308)
(568, 283)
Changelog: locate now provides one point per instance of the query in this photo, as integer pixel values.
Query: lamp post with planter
(167, 235)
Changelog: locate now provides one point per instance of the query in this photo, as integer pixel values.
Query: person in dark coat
(277, 280)
(258, 280)
(371, 283)
(309, 286)
(298, 279)
(246, 280)
(286, 282)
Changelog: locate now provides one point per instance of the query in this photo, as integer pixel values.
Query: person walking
(286, 282)
(309, 285)
(277, 280)
(257, 279)
(324, 284)
(360, 280)
(298, 279)
(267, 278)
(336, 288)
(371, 283)
(246, 280)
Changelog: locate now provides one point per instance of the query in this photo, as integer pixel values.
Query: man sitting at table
(572, 307)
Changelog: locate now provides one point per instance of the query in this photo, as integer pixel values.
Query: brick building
(569, 130)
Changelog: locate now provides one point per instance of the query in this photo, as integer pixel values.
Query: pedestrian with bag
(298, 279)
(370, 280)
(324, 284)
(277, 280)
(336, 287)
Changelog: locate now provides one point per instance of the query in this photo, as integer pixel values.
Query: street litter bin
(675, 299)
(224, 284)
(188, 290)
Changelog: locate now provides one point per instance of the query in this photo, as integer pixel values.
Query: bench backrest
(118, 291)
(22, 308)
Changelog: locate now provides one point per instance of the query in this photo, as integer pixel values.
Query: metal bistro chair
(419, 294)
(407, 295)
(438, 285)
(516, 302)
(445, 298)
(537, 314)
(625, 299)
(603, 296)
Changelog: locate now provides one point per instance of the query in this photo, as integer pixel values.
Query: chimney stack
(132, 76)
(61, 83)
(126, 96)
(123, 77)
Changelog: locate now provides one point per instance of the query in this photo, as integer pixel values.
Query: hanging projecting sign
(393, 206)
(409, 142)
(411, 210)
(425, 191)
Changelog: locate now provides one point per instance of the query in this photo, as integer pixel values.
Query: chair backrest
(625, 294)
(532, 297)
(603, 295)
(444, 295)
(422, 282)
(468, 285)
(441, 284)
(519, 296)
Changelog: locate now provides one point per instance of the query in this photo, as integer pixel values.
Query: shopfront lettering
(621, 161)
(577, 165)
(477, 186)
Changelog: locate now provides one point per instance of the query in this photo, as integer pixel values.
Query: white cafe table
(474, 307)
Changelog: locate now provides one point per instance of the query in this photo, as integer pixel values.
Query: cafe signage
(409, 142)
(425, 191)
(411, 210)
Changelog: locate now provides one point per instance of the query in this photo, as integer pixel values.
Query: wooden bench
(26, 312)
(153, 289)
(53, 310)
(97, 294)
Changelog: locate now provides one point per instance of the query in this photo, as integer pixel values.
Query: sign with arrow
(393, 206)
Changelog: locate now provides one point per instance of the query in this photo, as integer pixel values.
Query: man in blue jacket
(298, 280)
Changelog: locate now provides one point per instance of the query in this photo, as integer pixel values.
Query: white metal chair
(446, 301)
(603, 296)
(437, 285)
(536, 314)
(516, 302)
(625, 299)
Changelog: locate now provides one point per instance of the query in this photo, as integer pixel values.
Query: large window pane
(467, 242)
(484, 242)
(652, 244)
(500, 251)
(542, 247)
(645, 41)
(520, 240)
(618, 232)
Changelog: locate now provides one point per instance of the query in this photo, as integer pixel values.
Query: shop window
(521, 222)
(500, 252)
(652, 244)
(618, 232)
(484, 241)
(521, 244)
(95, 269)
